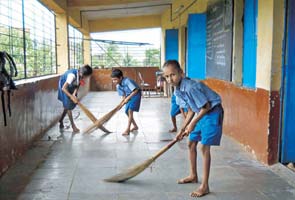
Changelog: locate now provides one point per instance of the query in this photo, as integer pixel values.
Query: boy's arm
(65, 90)
(189, 117)
(183, 113)
(192, 123)
(195, 120)
(75, 92)
(130, 96)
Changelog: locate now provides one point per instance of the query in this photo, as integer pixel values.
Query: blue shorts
(175, 110)
(209, 129)
(134, 103)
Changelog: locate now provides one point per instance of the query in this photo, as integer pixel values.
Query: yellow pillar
(163, 52)
(264, 43)
(62, 43)
(181, 44)
(86, 48)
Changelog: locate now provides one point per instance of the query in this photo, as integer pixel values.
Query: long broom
(87, 112)
(109, 115)
(133, 171)
(92, 117)
(104, 119)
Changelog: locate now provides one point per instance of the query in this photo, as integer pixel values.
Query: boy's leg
(135, 127)
(75, 129)
(61, 119)
(173, 119)
(193, 176)
(130, 118)
(204, 187)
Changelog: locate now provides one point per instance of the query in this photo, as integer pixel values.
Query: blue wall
(196, 46)
(288, 136)
(171, 42)
(250, 43)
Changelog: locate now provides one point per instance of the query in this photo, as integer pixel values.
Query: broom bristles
(133, 171)
(130, 172)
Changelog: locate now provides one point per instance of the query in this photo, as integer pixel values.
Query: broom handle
(101, 120)
(87, 112)
(168, 146)
(93, 118)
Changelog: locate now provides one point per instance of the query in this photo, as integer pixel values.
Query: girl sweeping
(68, 86)
(128, 87)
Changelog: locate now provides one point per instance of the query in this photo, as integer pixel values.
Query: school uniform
(125, 88)
(175, 106)
(195, 94)
(72, 78)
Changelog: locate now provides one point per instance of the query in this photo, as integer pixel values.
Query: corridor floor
(64, 166)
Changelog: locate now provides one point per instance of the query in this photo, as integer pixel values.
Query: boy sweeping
(128, 87)
(203, 122)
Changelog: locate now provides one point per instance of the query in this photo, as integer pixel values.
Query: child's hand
(75, 100)
(189, 128)
(182, 134)
(179, 136)
(125, 101)
(185, 133)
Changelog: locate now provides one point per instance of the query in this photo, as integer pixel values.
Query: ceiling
(102, 9)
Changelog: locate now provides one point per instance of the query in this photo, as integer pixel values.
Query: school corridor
(70, 166)
(244, 50)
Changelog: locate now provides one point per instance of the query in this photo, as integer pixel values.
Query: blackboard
(219, 40)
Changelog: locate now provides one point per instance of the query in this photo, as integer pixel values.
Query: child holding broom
(68, 86)
(128, 87)
(203, 122)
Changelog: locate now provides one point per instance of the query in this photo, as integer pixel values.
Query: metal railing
(108, 53)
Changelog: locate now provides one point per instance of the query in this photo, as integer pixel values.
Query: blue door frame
(250, 43)
(288, 86)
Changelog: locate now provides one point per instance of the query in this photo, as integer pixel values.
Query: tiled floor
(73, 166)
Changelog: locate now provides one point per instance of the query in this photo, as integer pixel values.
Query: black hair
(175, 63)
(86, 70)
(116, 73)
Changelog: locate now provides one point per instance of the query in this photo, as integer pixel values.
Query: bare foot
(76, 130)
(173, 130)
(201, 191)
(61, 126)
(135, 128)
(189, 179)
(126, 133)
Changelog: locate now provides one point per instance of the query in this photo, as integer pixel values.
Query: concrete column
(163, 52)
(87, 50)
(264, 43)
(62, 43)
(181, 44)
